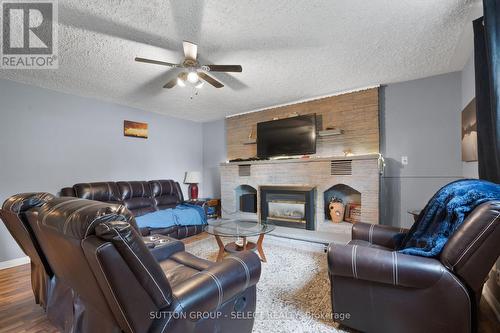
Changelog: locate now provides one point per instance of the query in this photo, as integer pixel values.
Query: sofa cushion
(140, 206)
(137, 197)
(101, 191)
(134, 189)
(181, 266)
(167, 193)
(166, 201)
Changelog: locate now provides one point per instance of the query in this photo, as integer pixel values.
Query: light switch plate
(404, 160)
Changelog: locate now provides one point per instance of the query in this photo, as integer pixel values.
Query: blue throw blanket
(444, 213)
(184, 214)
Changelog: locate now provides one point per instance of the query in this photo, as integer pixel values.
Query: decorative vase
(337, 210)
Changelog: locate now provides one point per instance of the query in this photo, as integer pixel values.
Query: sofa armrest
(208, 289)
(383, 266)
(382, 235)
(201, 203)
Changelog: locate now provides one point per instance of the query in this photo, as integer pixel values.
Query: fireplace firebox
(288, 206)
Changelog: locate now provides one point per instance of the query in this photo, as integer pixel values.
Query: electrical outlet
(404, 160)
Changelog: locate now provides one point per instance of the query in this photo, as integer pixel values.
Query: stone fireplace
(288, 206)
(355, 179)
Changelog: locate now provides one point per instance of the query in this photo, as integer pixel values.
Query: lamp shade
(192, 177)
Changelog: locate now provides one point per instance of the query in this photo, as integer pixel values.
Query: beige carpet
(293, 294)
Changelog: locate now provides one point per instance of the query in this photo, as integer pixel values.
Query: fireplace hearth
(288, 206)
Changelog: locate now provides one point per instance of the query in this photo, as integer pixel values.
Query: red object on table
(193, 191)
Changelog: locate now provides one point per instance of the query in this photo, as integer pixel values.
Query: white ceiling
(290, 49)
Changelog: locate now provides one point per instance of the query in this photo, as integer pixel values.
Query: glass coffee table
(240, 229)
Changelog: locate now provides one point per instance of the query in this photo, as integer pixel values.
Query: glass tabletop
(238, 228)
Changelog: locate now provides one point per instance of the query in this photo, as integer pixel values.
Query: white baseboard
(492, 301)
(14, 262)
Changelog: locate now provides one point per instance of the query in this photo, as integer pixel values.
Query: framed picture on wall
(469, 132)
(135, 129)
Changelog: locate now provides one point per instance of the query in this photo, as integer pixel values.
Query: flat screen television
(287, 137)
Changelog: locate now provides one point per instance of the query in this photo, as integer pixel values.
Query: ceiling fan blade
(156, 62)
(190, 50)
(224, 68)
(210, 80)
(170, 84)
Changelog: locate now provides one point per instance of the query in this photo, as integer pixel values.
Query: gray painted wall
(469, 169)
(214, 152)
(419, 119)
(49, 140)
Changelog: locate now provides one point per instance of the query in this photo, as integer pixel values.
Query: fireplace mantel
(361, 173)
(305, 160)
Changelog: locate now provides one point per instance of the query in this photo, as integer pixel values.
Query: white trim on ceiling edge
(14, 262)
(492, 301)
(304, 100)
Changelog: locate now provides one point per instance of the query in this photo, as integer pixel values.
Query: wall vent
(244, 170)
(341, 168)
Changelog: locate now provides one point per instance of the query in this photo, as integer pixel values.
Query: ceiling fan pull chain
(194, 92)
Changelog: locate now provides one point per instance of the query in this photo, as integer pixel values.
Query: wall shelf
(321, 134)
(332, 132)
(250, 142)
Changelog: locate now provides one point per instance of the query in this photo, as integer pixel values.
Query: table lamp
(192, 178)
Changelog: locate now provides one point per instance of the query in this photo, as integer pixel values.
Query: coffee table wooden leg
(220, 256)
(244, 243)
(259, 248)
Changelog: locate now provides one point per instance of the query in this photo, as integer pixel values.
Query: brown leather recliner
(12, 214)
(53, 295)
(377, 289)
(120, 286)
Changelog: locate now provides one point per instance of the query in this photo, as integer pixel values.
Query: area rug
(293, 293)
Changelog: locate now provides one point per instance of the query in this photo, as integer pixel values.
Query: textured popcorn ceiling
(289, 49)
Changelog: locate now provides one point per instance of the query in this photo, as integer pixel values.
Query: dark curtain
(487, 67)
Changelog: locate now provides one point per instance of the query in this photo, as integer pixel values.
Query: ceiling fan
(194, 73)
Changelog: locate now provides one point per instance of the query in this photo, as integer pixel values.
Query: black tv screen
(287, 137)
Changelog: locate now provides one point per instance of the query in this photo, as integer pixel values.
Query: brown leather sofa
(377, 289)
(118, 284)
(140, 197)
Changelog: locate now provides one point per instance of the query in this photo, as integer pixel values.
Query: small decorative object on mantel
(353, 213)
(337, 209)
(135, 129)
(347, 152)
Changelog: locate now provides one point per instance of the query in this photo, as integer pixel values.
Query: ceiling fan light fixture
(180, 82)
(199, 84)
(193, 77)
